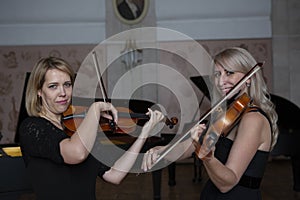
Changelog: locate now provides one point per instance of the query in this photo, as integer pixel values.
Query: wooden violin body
(127, 120)
(222, 125)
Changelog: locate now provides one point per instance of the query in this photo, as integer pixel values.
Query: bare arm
(253, 133)
(122, 166)
(181, 151)
(76, 148)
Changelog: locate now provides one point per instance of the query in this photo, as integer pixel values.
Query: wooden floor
(277, 184)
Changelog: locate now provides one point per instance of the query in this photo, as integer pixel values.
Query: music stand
(201, 82)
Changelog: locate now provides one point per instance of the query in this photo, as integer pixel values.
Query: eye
(217, 74)
(68, 84)
(228, 73)
(52, 86)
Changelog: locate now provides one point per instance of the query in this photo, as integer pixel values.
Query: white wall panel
(38, 22)
(51, 11)
(214, 19)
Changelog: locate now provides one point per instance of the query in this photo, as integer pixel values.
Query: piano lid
(286, 111)
(203, 83)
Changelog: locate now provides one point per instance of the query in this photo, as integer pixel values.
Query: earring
(248, 84)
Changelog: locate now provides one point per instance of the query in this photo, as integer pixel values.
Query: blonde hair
(37, 79)
(237, 59)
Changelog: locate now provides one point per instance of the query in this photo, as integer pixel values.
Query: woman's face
(226, 80)
(56, 92)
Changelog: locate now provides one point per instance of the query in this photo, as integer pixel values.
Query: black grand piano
(14, 179)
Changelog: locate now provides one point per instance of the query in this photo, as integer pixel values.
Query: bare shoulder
(255, 117)
(254, 120)
(255, 124)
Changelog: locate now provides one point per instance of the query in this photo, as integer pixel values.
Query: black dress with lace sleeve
(40, 138)
(50, 176)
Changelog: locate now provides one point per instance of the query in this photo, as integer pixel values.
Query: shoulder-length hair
(37, 79)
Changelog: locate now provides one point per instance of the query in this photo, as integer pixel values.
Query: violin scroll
(171, 122)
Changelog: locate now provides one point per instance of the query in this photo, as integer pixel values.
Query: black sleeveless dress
(248, 187)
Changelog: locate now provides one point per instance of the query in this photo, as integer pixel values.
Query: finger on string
(160, 115)
(151, 115)
(149, 111)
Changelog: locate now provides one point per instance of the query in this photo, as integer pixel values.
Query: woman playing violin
(61, 166)
(236, 164)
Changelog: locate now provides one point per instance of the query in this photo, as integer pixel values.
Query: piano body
(288, 143)
(14, 179)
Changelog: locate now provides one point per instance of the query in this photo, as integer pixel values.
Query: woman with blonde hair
(237, 162)
(62, 166)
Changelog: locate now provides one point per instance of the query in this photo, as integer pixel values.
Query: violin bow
(100, 79)
(236, 87)
(101, 82)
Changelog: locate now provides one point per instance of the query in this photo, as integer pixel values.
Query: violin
(127, 120)
(232, 111)
(222, 125)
